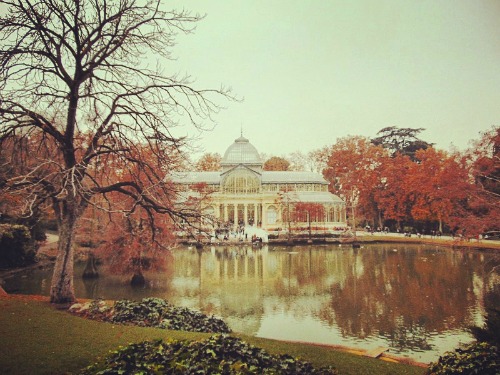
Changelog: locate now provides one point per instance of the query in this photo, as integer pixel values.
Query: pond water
(417, 300)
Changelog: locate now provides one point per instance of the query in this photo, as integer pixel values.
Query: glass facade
(241, 182)
(242, 193)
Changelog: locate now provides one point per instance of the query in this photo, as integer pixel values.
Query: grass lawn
(39, 339)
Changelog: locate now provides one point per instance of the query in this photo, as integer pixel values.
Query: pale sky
(314, 71)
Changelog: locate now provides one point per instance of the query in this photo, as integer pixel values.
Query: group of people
(406, 233)
(226, 233)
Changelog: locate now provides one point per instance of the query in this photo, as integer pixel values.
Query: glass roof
(241, 152)
(268, 177)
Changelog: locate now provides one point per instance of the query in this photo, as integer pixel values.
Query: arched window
(272, 215)
(241, 182)
(333, 214)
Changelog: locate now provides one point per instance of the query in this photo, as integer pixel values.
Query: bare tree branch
(78, 77)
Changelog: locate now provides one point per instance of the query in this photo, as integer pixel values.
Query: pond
(417, 300)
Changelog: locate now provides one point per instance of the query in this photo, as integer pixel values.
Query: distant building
(243, 194)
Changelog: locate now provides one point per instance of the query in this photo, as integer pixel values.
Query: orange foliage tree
(354, 172)
(306, 212)
(276, 163)
(128, 248)
(393, 196)
(437, 182)
(478, 211)
(209, 162)
(129, 237)
(419, 187)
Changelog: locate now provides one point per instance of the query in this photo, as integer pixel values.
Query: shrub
(477, 358)
(16, 246)
(219, 354)
(156, 312)
(491, 330)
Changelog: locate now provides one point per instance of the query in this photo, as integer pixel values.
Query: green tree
(404, 141)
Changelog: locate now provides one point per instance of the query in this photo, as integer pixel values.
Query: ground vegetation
(17, 247)
(151, 312)
(220, 354)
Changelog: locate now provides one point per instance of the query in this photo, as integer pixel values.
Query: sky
(310, 72)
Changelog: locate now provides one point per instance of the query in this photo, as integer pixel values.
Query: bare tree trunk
(62, 288)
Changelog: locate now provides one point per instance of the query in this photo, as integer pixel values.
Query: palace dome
(241, 152)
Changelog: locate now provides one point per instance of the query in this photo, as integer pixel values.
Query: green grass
(39, 339)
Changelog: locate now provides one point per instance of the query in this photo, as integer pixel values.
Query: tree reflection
(404, 296)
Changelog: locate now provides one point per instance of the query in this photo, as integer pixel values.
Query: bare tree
(87, 80)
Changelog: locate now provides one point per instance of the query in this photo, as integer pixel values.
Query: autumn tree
(307, 212)
(276, 163)
(486, 163)
(479, 210)
(209, 162)
(404, 141)
(437, 182)
(353, 170)
(88, 79)
(10, 204)
(123, 238)
(393, 196)
(127, 249)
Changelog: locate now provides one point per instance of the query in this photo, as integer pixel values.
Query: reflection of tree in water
(91, 287)
(490, 332)
(413, 336)
(404, 296)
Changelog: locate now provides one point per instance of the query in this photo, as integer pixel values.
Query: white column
(245, 215)
(264, 217)
(255, 208)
